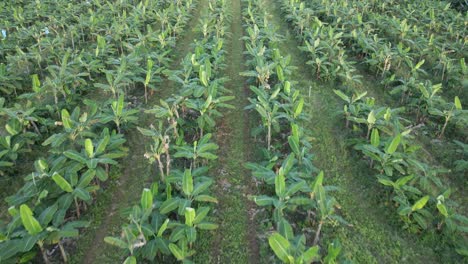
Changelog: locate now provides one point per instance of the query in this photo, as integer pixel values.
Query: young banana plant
(286, 196)
(295, 251)
(119, 114)
(75, 126)
(202, 148)
(159, 148)
(350, 107)
(269, 110)
(449, 111)
(100, 152)
(41, 230)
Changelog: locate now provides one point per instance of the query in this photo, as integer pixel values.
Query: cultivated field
(233, 131)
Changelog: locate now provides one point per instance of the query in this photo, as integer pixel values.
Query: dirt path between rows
(236, 239)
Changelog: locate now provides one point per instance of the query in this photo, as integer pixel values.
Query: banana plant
(170, 112)
(325, 204)
(150, 74)
(287, 196)
(158, 149)
(389, 159)
(39, 231)
(350, 107)
(202, 148)
(115, 84)
(193, 187)
(75, 126)
(119, 114)
(187, 232)
(100, 152)
(147, 233)
(449, 111)
(269, 110)
(429, 97)
(293, 252)
(23, 117)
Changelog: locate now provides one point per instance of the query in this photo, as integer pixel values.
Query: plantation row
(39, 63)
(388, 54)
(176, 207)
(291, 189)
(384, 135)
(84, 146)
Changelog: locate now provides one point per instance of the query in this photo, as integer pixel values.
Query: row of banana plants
(387, 42)
(46, 210)
(414, 187)
(37, 80)
(402, 72)
(415, 89)
(416, 184)
(386, 35)
(292, 189)
(79, 40)
(82, 148)
(166, 222)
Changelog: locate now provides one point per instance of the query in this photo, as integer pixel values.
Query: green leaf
(394, 144)
(342, 95)
(75, 156)
(280, 184)
(375, 138)
(402, 181)
(311, 254)
(130, 260)
(264, 200)
(62, 183)
(176, 251)
(82, 194)
(279, 72)
(458, 104)
(187, 182)
(419, 65)
(86, 178)
(206, 198)
(442, 209)
(420, 203)
(201, 214)
(285, 229)
(36, 84)
(169, 205)
(317, 183)
(47, 215)
(146, 199)
(102, 145)
(371, 118)
(294, 144)
(280, 246)
(298, 108)
(120, 105)
(29, 222)
(189, 216)
(386, 182)
(115, 242)
(66, 119)
(163, 228)
(89, 148)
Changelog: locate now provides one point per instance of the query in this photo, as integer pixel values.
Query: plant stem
(44, 254)
(317, 233)
(62, 251)
(77, 205)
